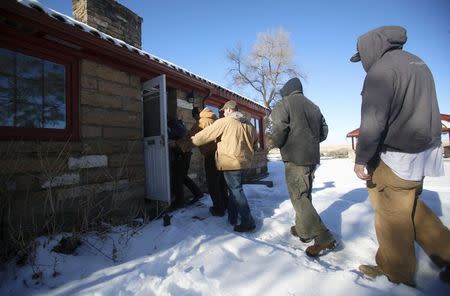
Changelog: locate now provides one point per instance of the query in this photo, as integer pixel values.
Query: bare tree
(267, 67)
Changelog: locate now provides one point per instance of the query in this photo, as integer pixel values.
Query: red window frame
(71, 132)
(260, 131)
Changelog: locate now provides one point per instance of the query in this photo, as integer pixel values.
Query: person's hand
(360, 171)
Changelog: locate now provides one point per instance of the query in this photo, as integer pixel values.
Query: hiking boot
(303, 240)
(371, 271)
(244, 228)
(319, 250)
(216, 212)
(444, 275)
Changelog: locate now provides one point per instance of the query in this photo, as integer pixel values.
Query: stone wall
(111, 18)
(111, 124)
(54, 186)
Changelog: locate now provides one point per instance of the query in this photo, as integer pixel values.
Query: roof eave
(143, 65)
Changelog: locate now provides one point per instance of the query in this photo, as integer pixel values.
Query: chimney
(111, 18)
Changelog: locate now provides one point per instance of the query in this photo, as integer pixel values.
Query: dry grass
(45, 212)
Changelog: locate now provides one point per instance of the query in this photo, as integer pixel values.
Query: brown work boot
(374, 271)
(303, 240)
(371, 271)
(319, 250)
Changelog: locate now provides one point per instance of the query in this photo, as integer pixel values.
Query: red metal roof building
(445, 119)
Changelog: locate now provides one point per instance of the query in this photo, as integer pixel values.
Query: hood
(206, 113)
(292, 85)
(374, 44)
(240, 117)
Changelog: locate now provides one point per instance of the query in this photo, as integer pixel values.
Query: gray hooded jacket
(399, 108)
(297, 126)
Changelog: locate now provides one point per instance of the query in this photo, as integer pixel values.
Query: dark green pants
(179, 169)
(308, 224)
(217, 187)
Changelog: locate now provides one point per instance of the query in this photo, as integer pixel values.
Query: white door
(157, 177)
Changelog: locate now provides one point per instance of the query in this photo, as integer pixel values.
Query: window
(214, 109)
(257, 123)
(35, 94)
(32, 92)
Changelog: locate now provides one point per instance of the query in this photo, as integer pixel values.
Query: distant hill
(336, 151)
(326, 151)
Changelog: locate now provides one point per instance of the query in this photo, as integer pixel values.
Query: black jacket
(399, 107)
(297, 126)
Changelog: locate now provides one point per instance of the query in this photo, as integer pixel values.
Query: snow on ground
(201, 255)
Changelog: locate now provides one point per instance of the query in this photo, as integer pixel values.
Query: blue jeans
(237, 202)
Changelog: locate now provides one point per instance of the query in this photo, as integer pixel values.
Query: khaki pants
(400, 219)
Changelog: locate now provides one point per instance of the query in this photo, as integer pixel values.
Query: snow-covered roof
(120, 43)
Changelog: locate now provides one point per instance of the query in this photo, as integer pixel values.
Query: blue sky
(195, 35)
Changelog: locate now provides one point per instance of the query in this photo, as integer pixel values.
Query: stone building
(83, 113)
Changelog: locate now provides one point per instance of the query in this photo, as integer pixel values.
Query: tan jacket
(207, 117)
(236, 139)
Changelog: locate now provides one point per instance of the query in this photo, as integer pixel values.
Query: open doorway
(156, 152)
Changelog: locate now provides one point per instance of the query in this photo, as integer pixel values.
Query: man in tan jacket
(236, 139)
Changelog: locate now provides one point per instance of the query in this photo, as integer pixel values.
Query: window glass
(214, 109)
(54, 117)
(7, 62)
(29, 90)
(6, 113)
(32, 92)
(6, 88)
(256, 124)
(28, 115)
(28, 67)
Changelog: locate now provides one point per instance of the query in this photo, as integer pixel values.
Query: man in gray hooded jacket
(399, 144)
(298, 127)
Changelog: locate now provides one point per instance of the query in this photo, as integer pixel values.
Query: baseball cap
(355, 58)
(230, 105)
